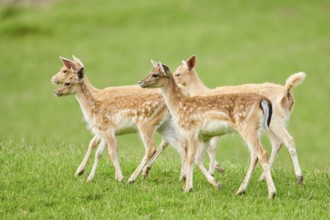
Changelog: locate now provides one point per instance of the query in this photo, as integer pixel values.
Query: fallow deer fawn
(280, 96)
(115, 111)
(201, 118)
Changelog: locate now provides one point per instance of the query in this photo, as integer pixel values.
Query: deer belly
(216, 128)
(126, 127)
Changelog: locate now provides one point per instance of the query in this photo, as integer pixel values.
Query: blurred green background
(235, 42)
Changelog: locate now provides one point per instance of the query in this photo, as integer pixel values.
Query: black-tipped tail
(267, 109)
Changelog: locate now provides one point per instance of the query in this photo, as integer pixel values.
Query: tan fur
(280, 96)
(200, 118)
(115, 111)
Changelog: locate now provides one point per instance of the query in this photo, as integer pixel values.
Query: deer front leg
(199, 163)
(146, 133)
(162, 146)
(191, 154)
(95, 141)
(180, 144)
(182, 149)
(211, 151)
(98, 155)
(113, 154)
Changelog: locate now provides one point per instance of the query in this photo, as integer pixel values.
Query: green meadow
(44, 138)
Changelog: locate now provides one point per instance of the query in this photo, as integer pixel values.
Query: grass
(40, 184)
(44, 187)
(43, 139)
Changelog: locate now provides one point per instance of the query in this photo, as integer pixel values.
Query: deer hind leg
(93, 143)
(276, 147)
(257, 150)
(98, 155)
(162, 146)
(247, 178)
(211, 151)
(262, 156)
(289, 142)
(147, 139)
(263, 159)
(199, 163)
(113, 154)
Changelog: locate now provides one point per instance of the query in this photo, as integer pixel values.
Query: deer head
(67, 70)
(184, 72)
(157, 77)
(71, 83)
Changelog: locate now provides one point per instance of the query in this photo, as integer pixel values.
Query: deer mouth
(142, 84)
(59, 92)
(55, 82)
(149, 85)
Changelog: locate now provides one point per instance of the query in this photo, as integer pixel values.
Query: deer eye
(67, 84)
(155, 75)
(64, 71)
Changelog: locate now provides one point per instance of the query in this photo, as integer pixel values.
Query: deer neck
(195, 86)
(173, 95)
(86, 96)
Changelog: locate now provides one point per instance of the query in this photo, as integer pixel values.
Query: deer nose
(54, 81)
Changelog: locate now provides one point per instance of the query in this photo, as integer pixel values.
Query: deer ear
(191, 62)
(161, 67)
(164, 69)
(67, 63)
(81, 73)
(154, 63)
(78, 61)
